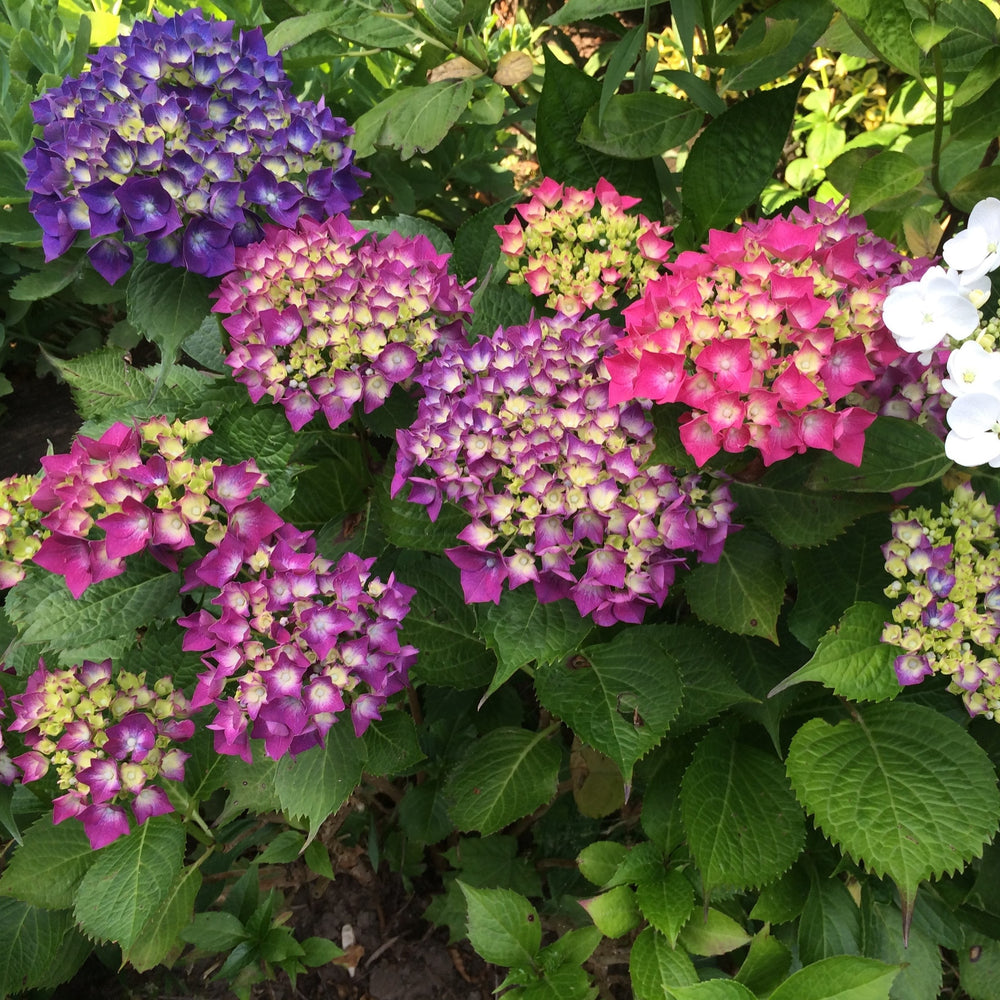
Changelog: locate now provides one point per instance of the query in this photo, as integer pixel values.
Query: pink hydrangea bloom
(768, 336)
(322, 317)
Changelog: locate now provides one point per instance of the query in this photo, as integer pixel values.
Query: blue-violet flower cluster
(184, 139)
(947, 583)
(517, 430)
(322, 316)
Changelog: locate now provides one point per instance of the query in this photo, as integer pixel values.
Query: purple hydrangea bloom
(186, 139)
(517, 430)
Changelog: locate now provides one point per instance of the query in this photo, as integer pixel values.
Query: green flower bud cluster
(21, 534)
(946, 573)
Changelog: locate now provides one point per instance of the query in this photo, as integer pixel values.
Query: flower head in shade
(518, 431)
(184, 139)
(579, 249)
(110, 739)
(946, 571)
(21, 533)
(297, 643)
(765, 334)
(322, 316)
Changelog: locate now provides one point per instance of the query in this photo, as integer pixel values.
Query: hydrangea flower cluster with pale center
(297, 639)
(941, 314)
(947, 582)
(183, 139)
(580, 249)
(323, 317)
(518, 431)
(764, 335)
(110, 740)
(21, 534)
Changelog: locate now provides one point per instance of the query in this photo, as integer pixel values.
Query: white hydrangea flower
(975, 430)
(920, 314)
(976, 250)
(971, 369)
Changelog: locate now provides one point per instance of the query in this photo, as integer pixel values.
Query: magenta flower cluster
(297, 639)
(580, 249)
(518, 431)
(766, 335)
(183, 139)
(110, 740)
(322, 316)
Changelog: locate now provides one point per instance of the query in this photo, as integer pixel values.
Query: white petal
(972, 451)
(974, 414)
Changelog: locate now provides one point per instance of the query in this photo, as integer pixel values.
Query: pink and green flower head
(322, 317)
(768, 337)
(21, 531)
(581, 250)
(518, 431)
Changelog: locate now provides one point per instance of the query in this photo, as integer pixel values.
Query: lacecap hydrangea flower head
(184, 139)
(765, 335)
(941, 314)
(946, 570)
(579, 249)
(518, 431)
(110, 739)
(324, 316)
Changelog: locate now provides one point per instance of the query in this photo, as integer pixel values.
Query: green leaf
(54, 277)
(830, 923)
(587, 10)
(712, 932)
(495, 862)
(442, 626)
(712, 989)
(830, 579)
(782, 900)
(571, 948)
(599, 860)
(620, 697)
(258, 432)
(161, 934)
(886, 28)
(391, 745)
(166, 303)
(851, 658)
(130, 880)
(215, 931)
(504, 927)
(47, 868)
(412, 119)
(978, 121)
(742, 592)
(841, 978)
(52, 620)
(284, 848)
(407, 525)
(766, 964)
(375, 23)
(103, 380)
(655, 966)
(874, 790)
(319, 781)
(408, 226)
(980, 976)
(636, 126)
(521, 630)
(920, 977)
(734, 158)
(743, 824)
(505, 775)
(296, 29)
(31, 943)
(614, 912)
(796, 517)
(898, 454)
(972, 188)
(667, 902)
(885, 176)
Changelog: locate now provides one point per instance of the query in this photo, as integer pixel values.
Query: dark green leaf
(830, 923)
(47, 868)
(637, 126)
(31, 944)
(882, 178)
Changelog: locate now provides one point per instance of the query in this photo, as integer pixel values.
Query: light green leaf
(130, 880)
(844, 977)
(620, 697)
(712, 989)
(505, 775)
(742, 592)
(898, 454)
(161, 934)
(766, 964)
(412, 119)
(667, 902)
(655, 966)
(887, 175)
(779, 503)
(54, 277)
(599, 860)
(47, 868)
(614, 912)
(504, 927)
(293, 30)
(875, 791)
(743, 824)
(635, 126)
(851, 658)
(712, 932)
(317, 783)
(734, 158)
